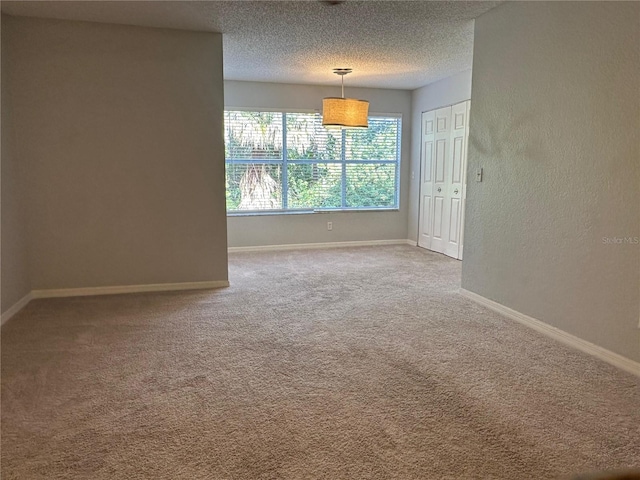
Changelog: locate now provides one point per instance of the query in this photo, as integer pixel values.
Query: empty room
(320, 240)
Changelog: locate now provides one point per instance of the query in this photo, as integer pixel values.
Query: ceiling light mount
(342, 72)
(340, 112)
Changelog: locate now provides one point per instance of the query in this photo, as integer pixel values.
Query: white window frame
(284, 162)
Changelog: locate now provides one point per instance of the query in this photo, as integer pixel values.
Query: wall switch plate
(329, 225)
(479, 175)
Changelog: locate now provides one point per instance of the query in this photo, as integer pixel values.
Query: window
(278, 161)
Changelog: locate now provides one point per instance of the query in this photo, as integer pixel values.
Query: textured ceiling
(389, 44)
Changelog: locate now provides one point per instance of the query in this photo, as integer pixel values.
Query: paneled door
(440, 176)
(425, 222)
(455, 183)
(443, 183)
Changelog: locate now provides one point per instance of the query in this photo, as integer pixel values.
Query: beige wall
(312, 228)
(14, 265)
(445, 92)
(555, 124)
(119, 132)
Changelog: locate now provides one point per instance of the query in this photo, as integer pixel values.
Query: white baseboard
(82, 292)
(19, 305)
(557, 334)
(157, 287)
(303, 246)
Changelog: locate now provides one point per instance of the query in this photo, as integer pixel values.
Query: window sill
(310, 212)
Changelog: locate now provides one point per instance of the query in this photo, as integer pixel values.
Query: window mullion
(285, 169)
(398, 156)
(343, 158)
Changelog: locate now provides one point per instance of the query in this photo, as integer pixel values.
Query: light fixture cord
(342, 77)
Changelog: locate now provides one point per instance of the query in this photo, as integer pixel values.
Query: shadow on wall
(518, 138)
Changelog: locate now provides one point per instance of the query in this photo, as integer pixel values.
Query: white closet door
(454, 183)
(425, 221)
(445, 139)
(440, 175)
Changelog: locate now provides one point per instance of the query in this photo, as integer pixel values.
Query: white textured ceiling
(389, 44)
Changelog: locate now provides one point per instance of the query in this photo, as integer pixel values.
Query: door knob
(455, 191)
(439, 189)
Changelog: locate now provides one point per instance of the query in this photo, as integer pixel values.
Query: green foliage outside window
(316, 169)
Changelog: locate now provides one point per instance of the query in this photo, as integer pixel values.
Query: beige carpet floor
(358, 363)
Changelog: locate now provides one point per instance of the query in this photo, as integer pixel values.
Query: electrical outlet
(329, 225)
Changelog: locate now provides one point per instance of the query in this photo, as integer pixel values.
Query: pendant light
(340, 112)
